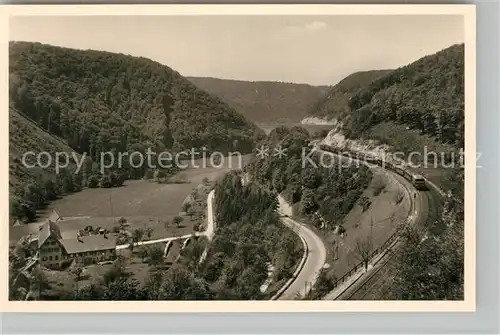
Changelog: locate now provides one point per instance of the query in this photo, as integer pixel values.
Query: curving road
(315, 256)
(316, 251)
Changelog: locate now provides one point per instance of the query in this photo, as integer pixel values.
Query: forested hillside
(26, 136)
(264, 102)
(335, 104)
(319, 186)
(90, 102)
(99, 101)
(249, 239)
(427, 95)
(31, 188)
(415, 105)
(415, 108)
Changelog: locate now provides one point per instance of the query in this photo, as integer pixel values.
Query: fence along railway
(377, 280)
(386, 251)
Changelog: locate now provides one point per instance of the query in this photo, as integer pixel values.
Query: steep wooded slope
(427, 95)
(99, 101)
(91, 102)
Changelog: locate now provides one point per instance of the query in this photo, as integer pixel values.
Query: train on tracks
(418, 181)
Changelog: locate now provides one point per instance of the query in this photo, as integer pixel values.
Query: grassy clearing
(144, 204)
(152, 205)
(389, 205)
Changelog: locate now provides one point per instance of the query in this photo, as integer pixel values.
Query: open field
(142, 203)
(376, 224)
(137, 197)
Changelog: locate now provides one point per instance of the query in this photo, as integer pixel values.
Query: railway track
(380, 276)
(377, 284)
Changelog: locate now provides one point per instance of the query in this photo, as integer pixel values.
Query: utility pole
(371, 233)
(111, 204)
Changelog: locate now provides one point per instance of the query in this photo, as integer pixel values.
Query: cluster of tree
(324, 285)
(264, 102)
(38, 192)
(430, 265)
(249, 238)
(320, 134)
(427, 95)
(18, 281)
(317, 186)
(118, 284)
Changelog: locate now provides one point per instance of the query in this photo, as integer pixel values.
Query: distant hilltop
(265, 101)
(318, 121)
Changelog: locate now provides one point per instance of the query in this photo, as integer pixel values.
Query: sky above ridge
(318, 50)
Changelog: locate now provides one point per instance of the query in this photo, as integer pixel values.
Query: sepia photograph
(264, 156)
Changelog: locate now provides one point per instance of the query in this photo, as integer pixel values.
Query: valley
(261, 225)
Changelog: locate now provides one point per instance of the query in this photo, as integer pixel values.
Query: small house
(54, 250)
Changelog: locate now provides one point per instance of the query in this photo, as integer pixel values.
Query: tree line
(427, 95)
(38, 192)
(430, 265)
(323, 188)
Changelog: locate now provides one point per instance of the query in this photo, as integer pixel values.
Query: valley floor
(143, 203)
